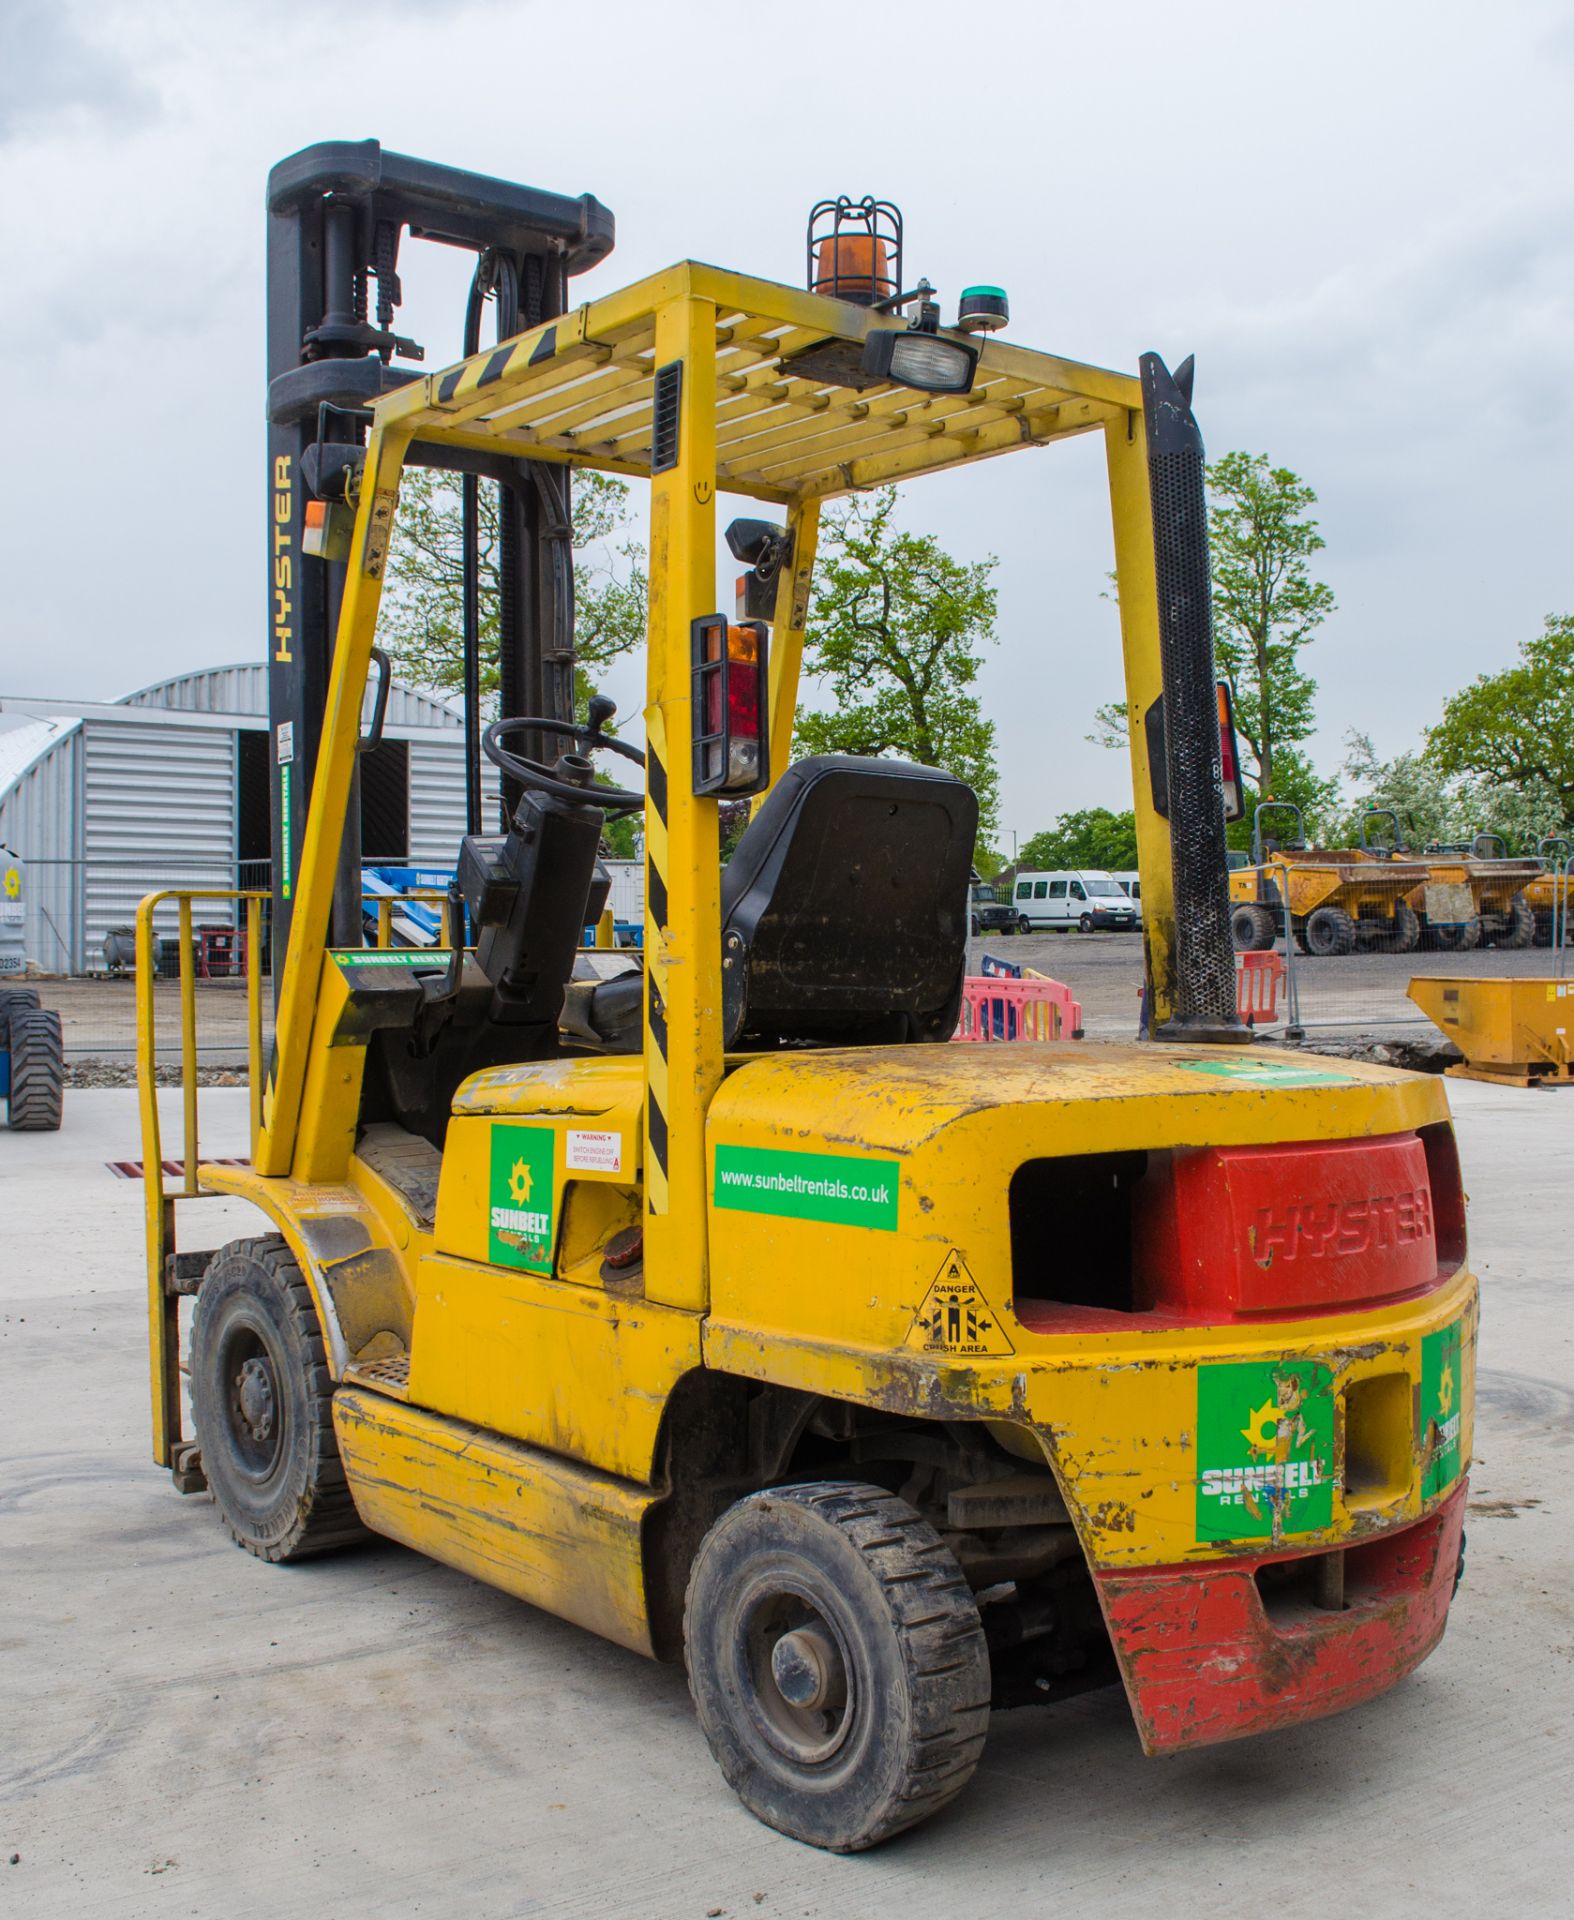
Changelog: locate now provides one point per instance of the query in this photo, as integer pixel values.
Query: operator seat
(844, 908)
(844, 914)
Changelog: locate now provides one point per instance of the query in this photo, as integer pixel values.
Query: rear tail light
(731, 725)
(1229, 755)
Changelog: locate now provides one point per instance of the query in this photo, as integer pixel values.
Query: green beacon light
(983, 310)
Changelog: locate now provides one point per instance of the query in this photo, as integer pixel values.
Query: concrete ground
(186, 1731)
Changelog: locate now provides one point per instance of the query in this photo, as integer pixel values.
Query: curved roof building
(168, 787)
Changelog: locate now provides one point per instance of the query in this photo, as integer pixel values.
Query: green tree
(1087, 837)
(1266, 605)
(421, 621)
(895, 627)
(1434, 805)
(1297, 781)
(1514, 731)
(422, 614)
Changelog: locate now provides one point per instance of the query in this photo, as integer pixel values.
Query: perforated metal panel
(1205, 987)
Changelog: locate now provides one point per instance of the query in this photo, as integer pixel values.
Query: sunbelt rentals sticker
(1265, 1449)
(519, 1195)
(834, 1187)
(1440, 1384)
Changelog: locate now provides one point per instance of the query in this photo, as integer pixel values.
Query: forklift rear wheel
(1330, 930)
(38, 1069)
(837, 1662)
(262, 1404)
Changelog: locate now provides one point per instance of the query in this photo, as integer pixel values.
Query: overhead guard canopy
(581, 389)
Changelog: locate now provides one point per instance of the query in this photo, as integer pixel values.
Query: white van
(1130, 883)
(1045, 901)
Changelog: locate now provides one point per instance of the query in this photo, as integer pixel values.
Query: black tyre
(1460, 938)
(262, 1404)
(837, 1662)
(38, 1070)
(972, 925)
(14, 1000)
(1330, 931)
(1519, 930)
(1085, 924)
(1024, 925)
(1253, 928)
(1400, 935)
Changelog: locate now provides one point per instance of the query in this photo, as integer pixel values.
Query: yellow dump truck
(1339, 900)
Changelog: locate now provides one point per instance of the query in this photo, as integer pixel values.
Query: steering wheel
(589, 738)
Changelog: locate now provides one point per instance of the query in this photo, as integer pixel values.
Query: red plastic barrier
(1258, 976)
(995, 1009)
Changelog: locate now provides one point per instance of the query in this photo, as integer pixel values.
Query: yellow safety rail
(158, 1200)
(388, 903)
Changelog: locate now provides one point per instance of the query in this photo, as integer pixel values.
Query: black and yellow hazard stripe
(513, 356)
(657, 1097)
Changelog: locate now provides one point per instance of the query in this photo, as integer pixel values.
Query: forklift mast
(337, 212)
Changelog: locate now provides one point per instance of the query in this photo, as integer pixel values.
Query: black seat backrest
(844, 907)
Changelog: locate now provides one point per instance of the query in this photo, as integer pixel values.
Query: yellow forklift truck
(717, 1304)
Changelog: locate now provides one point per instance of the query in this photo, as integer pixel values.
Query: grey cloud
(49, 67)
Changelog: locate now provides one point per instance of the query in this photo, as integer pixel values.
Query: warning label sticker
(594, 1150)
(955, 1318)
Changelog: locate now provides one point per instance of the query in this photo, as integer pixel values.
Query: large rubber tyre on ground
(837, 1662)
(14, 1000)
(1400, 935)
(1458, 939)
(1520, 931)
(38, 1070)
(1085, 923)
(1024, 925)
(1253, 929)
(972, 925)
(262, 1404)
(1329, 932)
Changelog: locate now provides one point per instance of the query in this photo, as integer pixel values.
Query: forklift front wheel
(837, 1662)
(262, 1405)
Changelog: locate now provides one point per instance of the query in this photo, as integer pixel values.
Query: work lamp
(928, 361)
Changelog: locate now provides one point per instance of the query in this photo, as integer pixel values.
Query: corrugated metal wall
(38, 820)
(158, 810)
(437, 800)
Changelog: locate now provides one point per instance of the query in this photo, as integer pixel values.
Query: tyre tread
(329, 1520)
(38, 1069)
(936, 1620)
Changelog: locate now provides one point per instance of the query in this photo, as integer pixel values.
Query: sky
(1360, 217)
